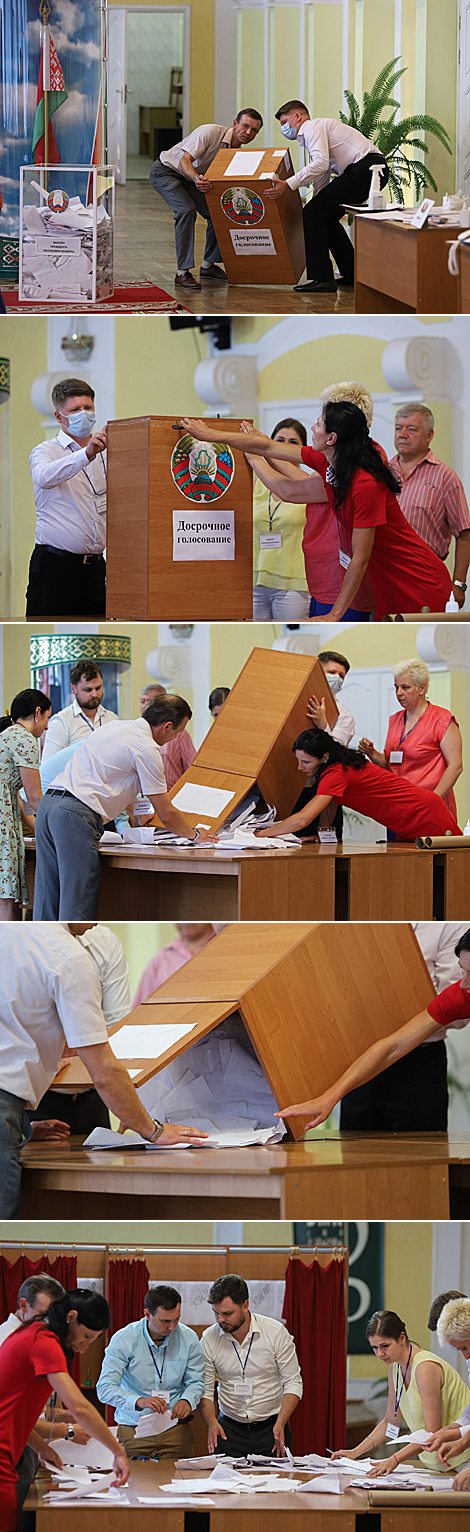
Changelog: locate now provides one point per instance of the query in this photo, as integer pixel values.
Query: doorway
(148, 85)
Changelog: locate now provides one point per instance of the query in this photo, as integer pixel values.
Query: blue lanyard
(398, 1395)
(271, 513)
(237, 1354)
(348, 545)
(90, 481)
(90, 725)
(155, 1363)
(410, 731)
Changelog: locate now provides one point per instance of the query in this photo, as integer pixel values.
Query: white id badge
(392, 1432)
(161, 1393)
(328, 837)
(243, 1387)
(99, 502)
(142, 806)
(344, 559)
(396, 757)
(270, 539)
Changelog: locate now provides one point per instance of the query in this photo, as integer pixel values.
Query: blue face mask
(287, 131)
(82, 422)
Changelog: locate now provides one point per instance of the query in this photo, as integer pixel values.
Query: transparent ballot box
(66, 233)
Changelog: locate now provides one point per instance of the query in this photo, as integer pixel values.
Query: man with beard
(83, 715)
(259, 1383)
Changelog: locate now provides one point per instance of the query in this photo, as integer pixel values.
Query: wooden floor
(145, 249)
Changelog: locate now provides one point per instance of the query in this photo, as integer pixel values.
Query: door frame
(160, 10)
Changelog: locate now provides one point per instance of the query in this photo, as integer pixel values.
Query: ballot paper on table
(151, 1423)
(92, 1454)
(324, 1484)
(106, 1138)
(244, 163)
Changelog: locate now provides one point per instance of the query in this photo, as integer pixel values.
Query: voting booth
(260, 241)
(250, 743)
(310, 997)
(179, 524)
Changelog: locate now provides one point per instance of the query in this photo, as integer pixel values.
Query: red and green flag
(51, 79)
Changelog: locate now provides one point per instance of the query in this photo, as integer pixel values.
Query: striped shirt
(433, 500)
(177, 755)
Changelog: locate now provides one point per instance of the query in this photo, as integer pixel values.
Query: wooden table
(334, 1175)
(464, 279)
(355, 881)
(243, 1513)
(400, 270)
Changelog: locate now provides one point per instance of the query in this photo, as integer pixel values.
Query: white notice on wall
(205, 533)
(253, 242)
(146, 1042)
(194, 798)
(244, 163)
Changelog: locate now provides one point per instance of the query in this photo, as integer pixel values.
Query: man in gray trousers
(179, 175)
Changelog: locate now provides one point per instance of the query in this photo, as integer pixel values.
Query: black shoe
(212, 274)
(344, 282)
(315, 287)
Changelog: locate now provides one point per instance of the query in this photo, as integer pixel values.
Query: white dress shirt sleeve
(315, 137)
(109, 961)
(47, 470)
(287, 1361)
(57, 738)
(210, 1375)
(344, 728)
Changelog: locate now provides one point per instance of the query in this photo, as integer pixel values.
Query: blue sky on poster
(76, 36)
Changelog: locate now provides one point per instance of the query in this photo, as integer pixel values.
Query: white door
(117, 90)
(463, 99)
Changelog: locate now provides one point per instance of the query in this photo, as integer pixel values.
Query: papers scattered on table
(151, 1423)
(325, 1484)
(92, 1455)
(244, 163)
(226, 1479)
(106, 1138)
(148, 1042)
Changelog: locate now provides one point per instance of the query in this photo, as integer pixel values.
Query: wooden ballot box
(180, 524)
(260, 241)
(312, 997)
(251, 740)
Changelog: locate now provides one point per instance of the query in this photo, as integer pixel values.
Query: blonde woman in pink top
(423, 742)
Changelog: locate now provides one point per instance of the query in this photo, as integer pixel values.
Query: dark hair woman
(423, 1393)
(340, 775)
(33, 1363)
(375, 539)
(20, 731)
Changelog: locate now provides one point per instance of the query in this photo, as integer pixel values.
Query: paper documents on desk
(106, 1138)
(151, 1423)
(93, 1454)
(324, 1484)
(237, 835)
(227, 1480)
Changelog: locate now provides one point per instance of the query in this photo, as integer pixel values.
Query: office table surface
(243, 1513)
(400, 269)
(334, 1175)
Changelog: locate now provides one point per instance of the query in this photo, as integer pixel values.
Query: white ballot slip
(325, 1484)
(194, 798)
(106, 1138)
(244, 163)
(92, 1455)
(150, 1423)
(147, 1042)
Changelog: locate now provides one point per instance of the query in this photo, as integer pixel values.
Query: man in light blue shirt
(154, 1366)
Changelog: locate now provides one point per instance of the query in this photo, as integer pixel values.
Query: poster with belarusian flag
(51, 79)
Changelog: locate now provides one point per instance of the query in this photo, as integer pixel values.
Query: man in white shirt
(179, 175)
(336, 667)
(67, 569)
(102, 777)
(50, 996)
(330, 146)
(85, 1110)
(259, 1383)
(84, 714)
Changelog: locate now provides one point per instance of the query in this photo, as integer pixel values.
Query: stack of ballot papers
(106, 1138)
(218, 1080)
(64, 270)
(226, 1479)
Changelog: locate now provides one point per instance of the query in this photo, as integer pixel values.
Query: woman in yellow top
(280, 590)
(422, 1389)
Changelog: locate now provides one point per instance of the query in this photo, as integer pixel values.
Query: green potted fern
(397, 141)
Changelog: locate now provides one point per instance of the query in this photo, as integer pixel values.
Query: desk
(464, 279)
(400, 270)
(243, 1513)
(335, 1175)
(355, 881)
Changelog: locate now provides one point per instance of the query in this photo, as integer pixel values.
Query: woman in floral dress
(19, 767)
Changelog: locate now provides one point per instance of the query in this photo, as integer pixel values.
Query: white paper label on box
(147, 1042)
(244, 163)
(57, 244)
(205, 534)
(253, 242)
(196, 798)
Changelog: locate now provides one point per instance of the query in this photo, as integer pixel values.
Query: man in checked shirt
(432, 496)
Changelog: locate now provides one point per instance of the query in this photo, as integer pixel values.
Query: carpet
(135, 297)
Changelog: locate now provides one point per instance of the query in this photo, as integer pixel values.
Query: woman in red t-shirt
(375, 539)
(344, 776)
(33, 1364)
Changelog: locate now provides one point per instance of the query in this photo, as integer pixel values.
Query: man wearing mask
(330, 146)
(336, 667)
(67, 569)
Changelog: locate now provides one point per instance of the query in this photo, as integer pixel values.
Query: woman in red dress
(33, 1364)
(374, 536)
(423, 743)
(345, 776)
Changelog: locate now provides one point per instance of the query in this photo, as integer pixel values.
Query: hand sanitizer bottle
(452, 605)
(376, 198)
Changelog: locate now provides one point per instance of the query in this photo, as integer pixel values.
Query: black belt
(63, 553)
(59, 792)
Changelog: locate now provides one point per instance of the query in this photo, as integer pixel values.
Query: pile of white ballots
(67, 274)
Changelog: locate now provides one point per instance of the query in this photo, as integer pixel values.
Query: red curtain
(13, 1274)
(127, 1286)
(315, 1315)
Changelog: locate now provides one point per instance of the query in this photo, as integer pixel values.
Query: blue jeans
(15, 1132)
(321, 608)
(68, 866)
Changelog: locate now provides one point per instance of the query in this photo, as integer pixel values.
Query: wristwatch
(70, 1436)
(196, 836)
(158, 1131)
(462, 584)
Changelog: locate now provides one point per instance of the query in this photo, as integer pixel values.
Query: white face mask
(82, 423)
(287, 131)
(335, 682)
